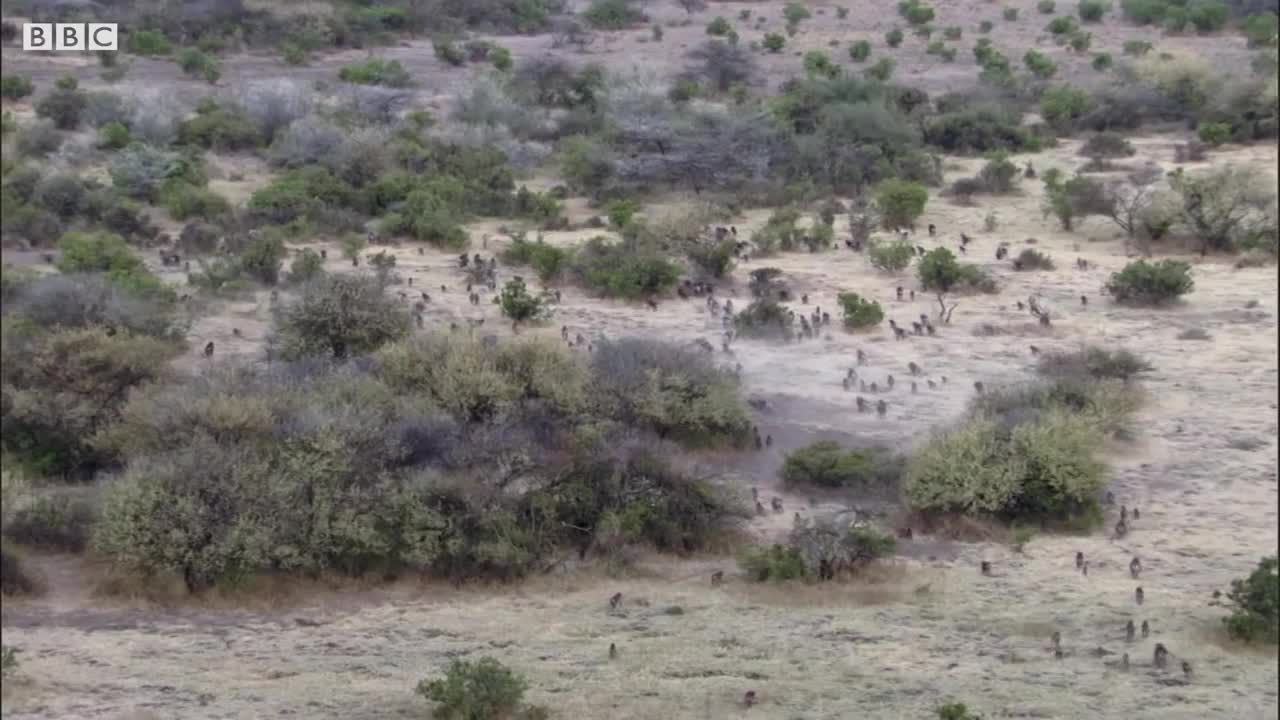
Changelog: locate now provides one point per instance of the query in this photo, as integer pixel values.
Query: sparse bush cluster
(1255, 604)
(818, 549)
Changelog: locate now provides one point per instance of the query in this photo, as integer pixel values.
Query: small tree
(263, 257)
(900, 202)
(860, 50)
(1106, 146)
(859, 312)
(1142, 282)
(519, 305)
(481, 690)
(940, 273)
(1073, 199)
(1128, 200)
(894, 37)
(339, 316)
(893, 256)
(1224, 207)
(1255, 603)
(1039, 64)
(773, 42)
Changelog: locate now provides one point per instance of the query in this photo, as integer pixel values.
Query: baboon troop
(615, 601)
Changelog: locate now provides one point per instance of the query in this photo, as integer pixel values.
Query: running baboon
(862, 357)
(776, 502)
(899, 292)
(1124, 513)
(913, 295)
(932, 385)
(1002, 252)
(930, 329)
(804, 299)
(852, 374)
(1186, 669)
(875, 388)
(208, 349)
(1138, 595)
(1019, 304)
(862, 404)
(717, 577)
(1135, 568)
(986, 567)
(1124, 661)
(920, 250)
(1146, 628)
(1057, 639)
(1122, 528)
(977, 385)
(453, 327)
(759, 508)
(1160, 655)
(1030, 171)
(1109, 498)
(564, 332)
(557, 296)
(1129, 630)
(944, 379)
(826, 318)
(963, 251)
(749, 698)
(421, 251)
(615, 601)
(613, 649)
(889, 382)
(1035, 351)
(882, 407)
(1079, 559)
(1136, 513)
(768, 441)
(1084, 300)
(1084, 569)
(933, 229)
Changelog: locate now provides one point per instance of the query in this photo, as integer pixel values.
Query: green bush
(340, 316)
(444, 48)
(500, 58)
(1046, 7)
(986, 26)
(185, 201)
(376, 71)
(892, 256)
(1137, 48)
(1262, 29)
(518, 305)
(64, 105)
(827, 464)
(1214, 134)
(1093, 362)
(113, 136)
(773, 42)
(1151, 283)
(1091, 11)
(263, 257)
(894, 37)
(1208, 15)
(858, 312)
(8, 658)
(719, 27)
(220, 127)
(195, 63)
(939, 272)
(1107, 145)
(58, 522)
(1039, 64)
(817, 64)
(481, 690)
(107, 253)
(624, 269)
(1064, 25)
(860, 50)
(881, 71)
(776, 562)
(794, 13)
(149, 43)
(915, 12)
(548, 261)
(1080, 41)
(900, 202)
(1102, 62)
(298, 194)
(15, 87)
(1011, 14)
(957, 711)
(713, 258)
(1062, 105)
(1032, 259)
(306, 266)
(612, 14)
(1255, 603)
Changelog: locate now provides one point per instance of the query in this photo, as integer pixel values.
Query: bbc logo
(70, 36)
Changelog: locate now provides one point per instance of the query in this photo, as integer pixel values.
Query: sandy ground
(929, 629)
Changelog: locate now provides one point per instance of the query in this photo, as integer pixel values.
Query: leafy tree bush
(858, 312)
(1105, 146)
(820, 549)
(818, 64)
(1091, 11)
(1262, 29)
(715, 259)
(149, 43)
(773, 42)
(957, 711)
(1137, 48)
(1093, 362)
(901, 202)
(220, 127)
(764, 318)
(1075, 198)
(1226, 209)
(1080, 41)
(827, 464)
(1011, 14)
(940, 273)
(1102, 62)
(376, 71)
(1039, 64)
(892, 256)
(860, 50)
(1063, 105)
(1032, 259)
(484, 689)
(195, 63)
(16, 87)
(339, 316)
(445, 49)
(998, 174)
(612, 14)
(110, 254)
(519, 305)
(39, 139)
(624, 269)
(1151, 283)
(1214, 134)
(184, 201)
(915, 12)
(1208, 15)
(1255, 605)
(719, 27)
(776, 562)
(64, 105)
(549, 262)
(59, 521)
(113, 136)
(894, 37)
(263, 257)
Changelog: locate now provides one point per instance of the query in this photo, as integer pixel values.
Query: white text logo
(70, 36)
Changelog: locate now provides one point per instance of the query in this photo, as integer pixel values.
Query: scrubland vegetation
(370, 435)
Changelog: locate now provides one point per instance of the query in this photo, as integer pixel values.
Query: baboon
(421, 251)
(186, 266)
(717, 577)
(1079, 559)
(418, 318)
(653, 304)
(1136, 513)
(904, 533)
(826, 318)
(1002, 252)
(804, 299)
(899, 333)
(615, 601)
(1124, 513)
(768, 441)
(453, 327)
(1122, 528)
(578, 339)
(1029, 171)
(1057, 652)
(963, 251)
(944, 379)
(733, 230)
(1160, 655)
(1186, 669)
(613, 651)
(913, 295)
(557, 296)
(1019, 304)
(875, 388)
(759, 508)
(1084, 300)
(1146, 628)
(1057, 640)
(862, 404)
(845, 383)
(755, 493)
(882, 407)
(749, 698)
(1135, 568)
(355, 262)
(1082, 264)
(1084, 569)
(977, 385)
(1129, 631)
(1138, 595)
(208, 349)
(1124, 661)
(1109, 498)
(889, 382)
(965, 240)
(899, 292)
(933, 229)
(986, 567)
(776, 502)
(235, 332)
(1035, 351)
(917, 328)
(929, 328)
(932, 385)
(862, 357)
(914, 390)
(755, 432)
(913, 368)
(920, 250)
(564, 332)
(443, 289)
